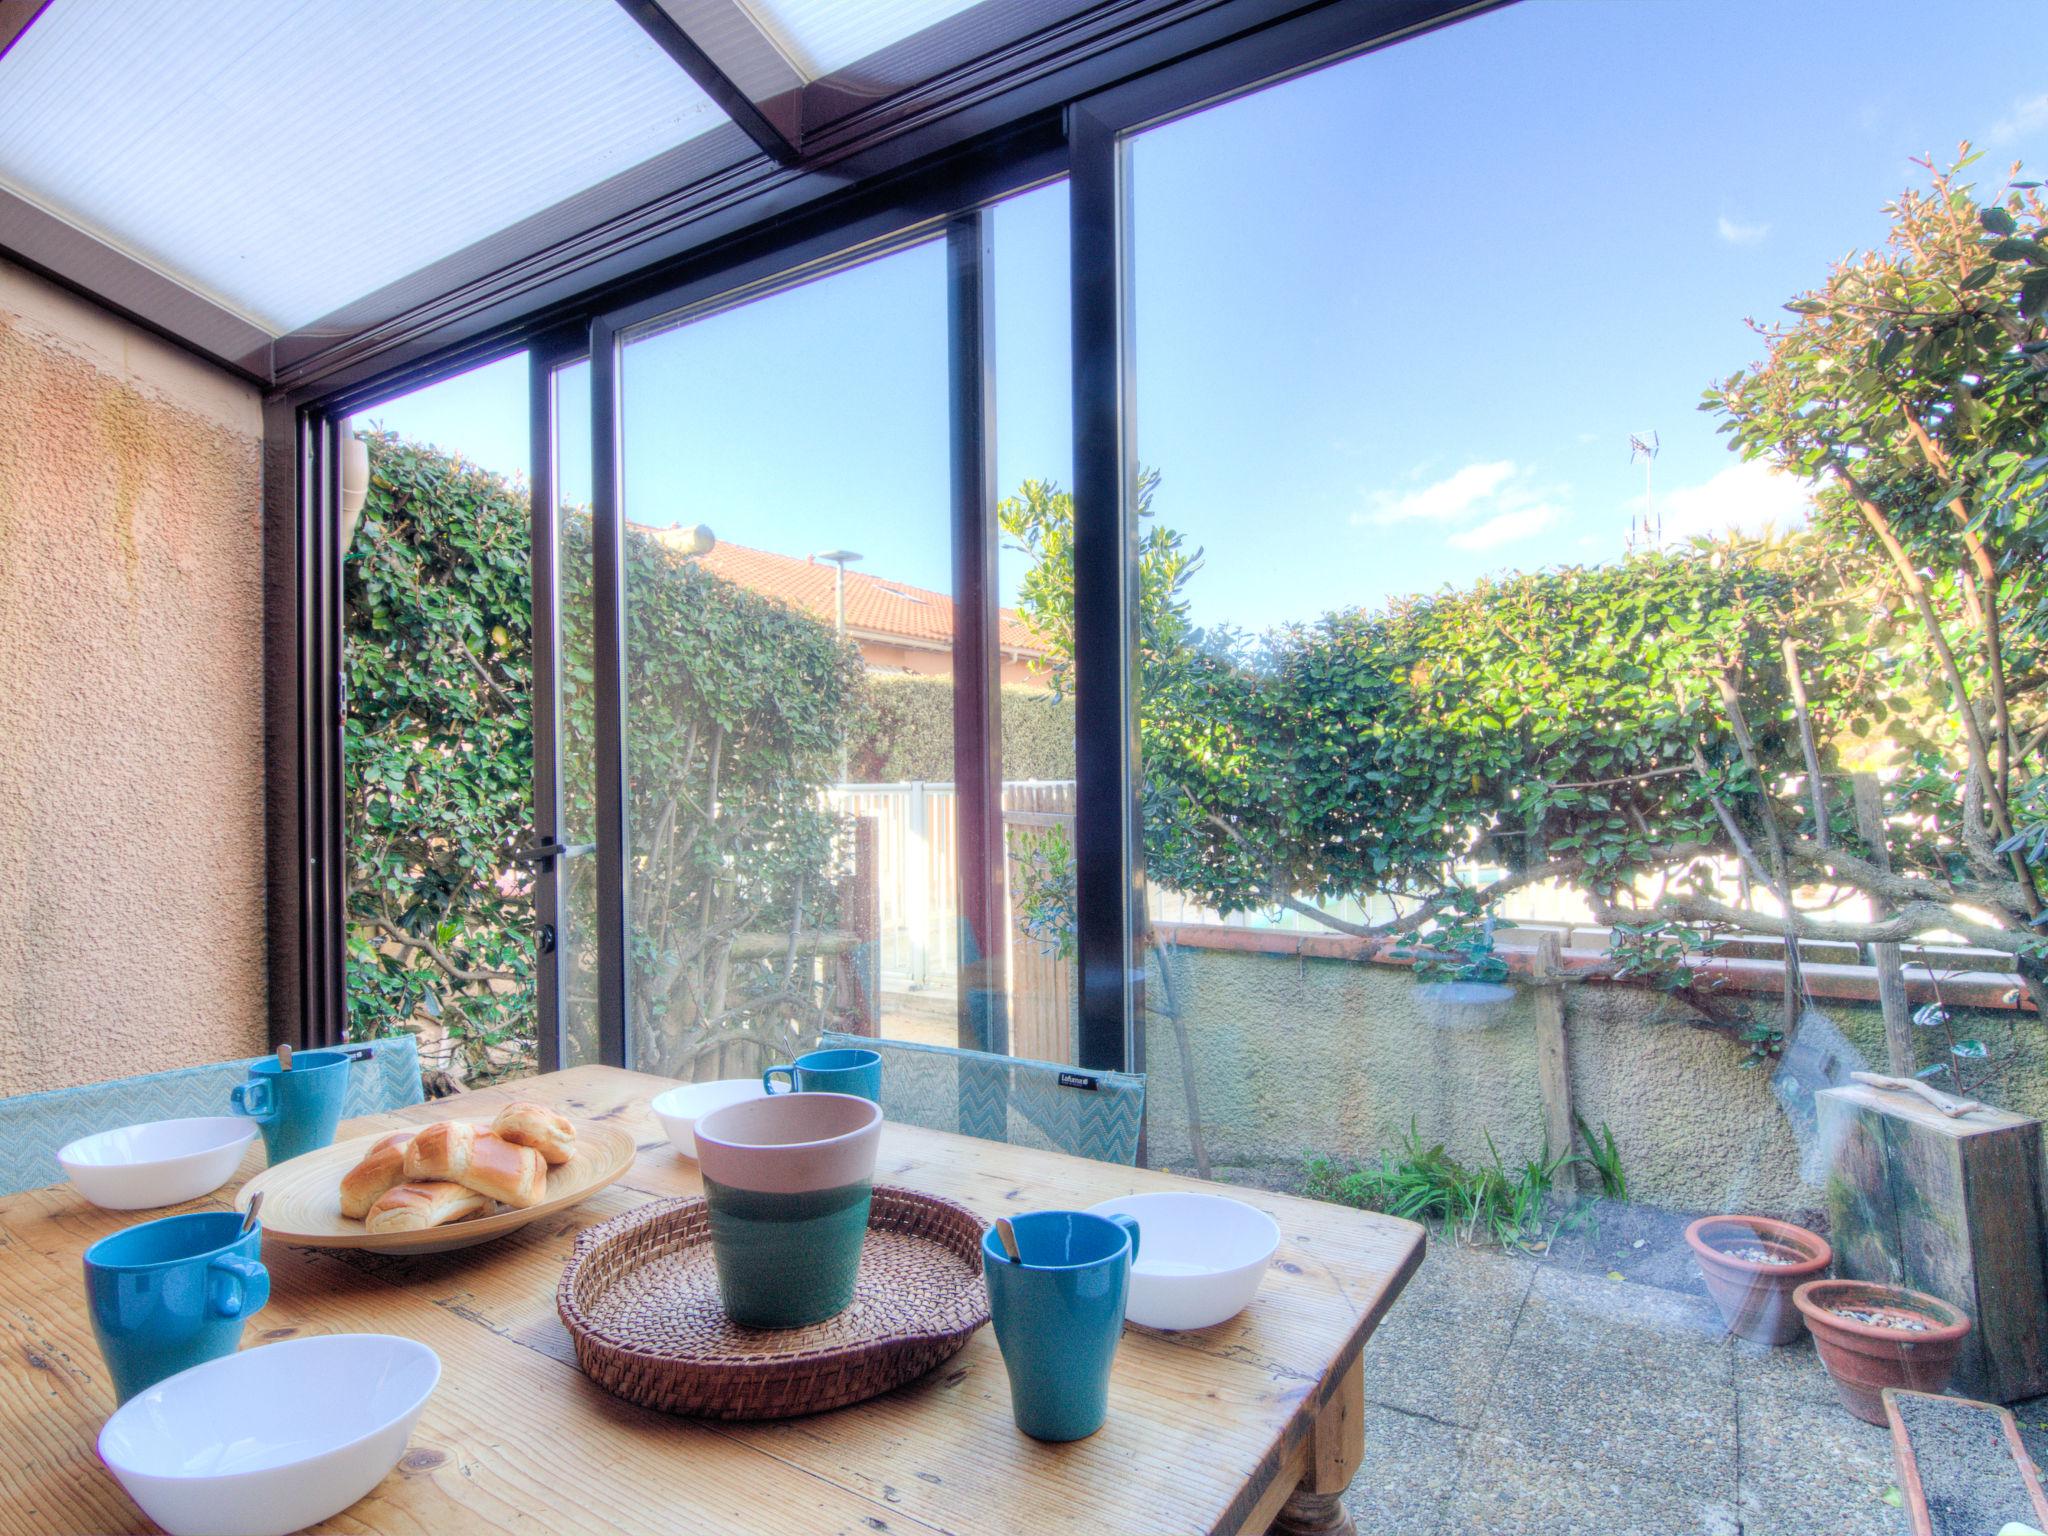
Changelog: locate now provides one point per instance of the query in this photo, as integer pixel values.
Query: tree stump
(1950, 1206)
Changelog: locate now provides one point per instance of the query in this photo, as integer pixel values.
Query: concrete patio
(1507, 1397)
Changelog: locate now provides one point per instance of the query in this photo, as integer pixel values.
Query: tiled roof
(875, 606)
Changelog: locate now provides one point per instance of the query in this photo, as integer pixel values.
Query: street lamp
(840, 558)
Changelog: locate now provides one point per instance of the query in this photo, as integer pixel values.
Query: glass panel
(822, 36)
(789, 660)
(286, 159)
(1480, 692)
(1034, 473)
(438, 624)
(576, 896)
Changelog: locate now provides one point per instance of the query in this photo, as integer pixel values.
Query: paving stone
(1509, 1487)
(1787, 1370)
(1811, 1469)
(1441, 1346)
(1411, 1465)
(1623, 1374)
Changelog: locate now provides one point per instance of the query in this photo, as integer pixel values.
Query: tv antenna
(1646, 532)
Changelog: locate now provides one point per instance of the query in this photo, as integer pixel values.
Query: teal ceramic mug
(856, 1072)
(1058, 1315)
(297, 1110)
(788, 1181)
(169, 1294)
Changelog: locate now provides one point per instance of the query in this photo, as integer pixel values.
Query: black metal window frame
(1087, 144)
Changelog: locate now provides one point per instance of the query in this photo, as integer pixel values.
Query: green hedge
(910, 733)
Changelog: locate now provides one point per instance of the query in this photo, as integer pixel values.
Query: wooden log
(1950, 1206)
(1553, 1051)
(1886, 958)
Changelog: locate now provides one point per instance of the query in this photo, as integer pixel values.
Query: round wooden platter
(302, 1197)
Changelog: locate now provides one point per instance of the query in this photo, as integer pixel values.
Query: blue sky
(1396, 321)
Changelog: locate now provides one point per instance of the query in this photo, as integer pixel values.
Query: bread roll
(382, 1167)
(441, 1151)
(459, 1152)
(516, 1175)
(538, 1127)
(415, 1207)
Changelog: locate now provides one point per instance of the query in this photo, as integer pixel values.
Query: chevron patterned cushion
(1005, 1098)
(34, 1125)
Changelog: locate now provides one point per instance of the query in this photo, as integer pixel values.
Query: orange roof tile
(875, 606)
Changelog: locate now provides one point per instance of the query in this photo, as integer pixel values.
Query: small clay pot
(1756, 1299)
(1865, 1358)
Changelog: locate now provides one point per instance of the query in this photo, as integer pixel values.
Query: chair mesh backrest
(1003, 1098)
(34, 1125)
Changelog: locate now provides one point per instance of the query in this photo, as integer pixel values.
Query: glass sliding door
(789, 663)
(439, 625)
(565, 821)
(1033, 417)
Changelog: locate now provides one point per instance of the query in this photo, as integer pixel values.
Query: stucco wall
(131, 698)
(1298, 1057)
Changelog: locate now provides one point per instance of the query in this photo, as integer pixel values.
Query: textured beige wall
(1299, 1057)
(131, 699)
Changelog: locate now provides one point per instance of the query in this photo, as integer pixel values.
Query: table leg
(1336, 1448)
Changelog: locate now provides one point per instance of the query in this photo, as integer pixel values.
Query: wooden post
(1950, 1206)
(1891, 972)
(862, 918)
(1553, 1051)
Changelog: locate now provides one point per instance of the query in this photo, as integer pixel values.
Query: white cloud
(1735, 232)
(1484, 504)
(1457, 495)
(2028, 116)
(1524, 523)
(1746, 497)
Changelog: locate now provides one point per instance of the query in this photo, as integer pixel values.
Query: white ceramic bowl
(680, 1109)
(272, 1439)
(160, 1163)
(1200, 1257)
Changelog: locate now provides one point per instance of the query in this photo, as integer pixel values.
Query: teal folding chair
(1003, 1098)
(385, 1076)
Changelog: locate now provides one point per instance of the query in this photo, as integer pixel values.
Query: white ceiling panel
(285, 157)
(821, 37)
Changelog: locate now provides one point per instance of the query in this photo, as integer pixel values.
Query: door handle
(545, 851)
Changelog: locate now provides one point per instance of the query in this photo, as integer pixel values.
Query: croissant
(415, 1207)
(382, 1167)
(537, 1126)
(457, 1151)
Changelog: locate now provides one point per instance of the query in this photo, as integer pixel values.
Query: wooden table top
(1206, 1432)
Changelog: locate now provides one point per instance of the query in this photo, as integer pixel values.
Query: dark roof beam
(770, 116)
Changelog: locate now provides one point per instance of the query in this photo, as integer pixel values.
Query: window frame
(1085, 143)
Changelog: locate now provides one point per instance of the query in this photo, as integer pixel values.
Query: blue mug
(850, 1071)
(297, 1110)
(169, 1294)
(1058, 1315)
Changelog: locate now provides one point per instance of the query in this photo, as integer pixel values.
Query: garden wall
(131, 699)
(1296, 1055)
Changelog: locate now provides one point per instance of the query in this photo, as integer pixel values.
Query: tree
(438, 743)
(736, 706)
(1911, 387)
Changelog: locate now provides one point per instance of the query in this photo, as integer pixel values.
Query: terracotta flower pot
(1755, 1298)
(1863, 1358)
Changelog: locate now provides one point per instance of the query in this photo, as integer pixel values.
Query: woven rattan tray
(640, 1299)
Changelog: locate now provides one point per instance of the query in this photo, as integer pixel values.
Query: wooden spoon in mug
(284, 1058)
(249, 1216)
(1007, 1236)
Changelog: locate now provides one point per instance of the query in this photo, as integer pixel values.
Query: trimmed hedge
(909, 732)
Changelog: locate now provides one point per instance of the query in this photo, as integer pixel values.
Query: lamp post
(840, 559)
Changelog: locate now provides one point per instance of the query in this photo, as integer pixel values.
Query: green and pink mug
(788, 1181)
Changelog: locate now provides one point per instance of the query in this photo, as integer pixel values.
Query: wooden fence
(917, 898)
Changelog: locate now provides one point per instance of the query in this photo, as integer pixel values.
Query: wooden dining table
(1255, 1424)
